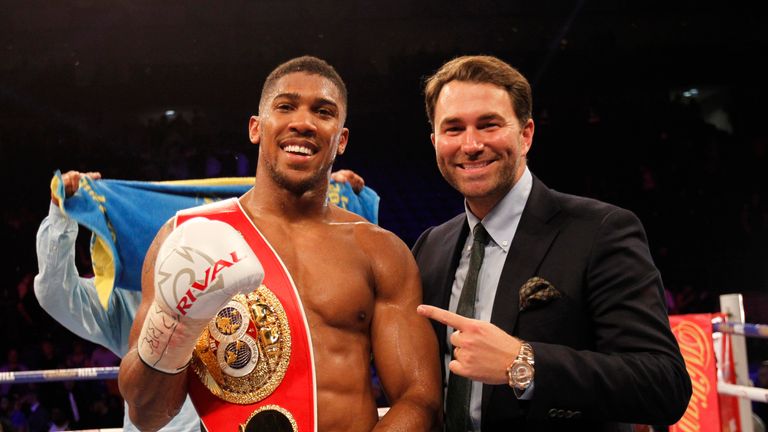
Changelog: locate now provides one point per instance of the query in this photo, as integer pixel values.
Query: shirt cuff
(528, 393)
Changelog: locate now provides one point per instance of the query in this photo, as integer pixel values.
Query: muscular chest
(333, 276)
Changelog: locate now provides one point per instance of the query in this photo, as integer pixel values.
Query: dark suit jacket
(604, 352)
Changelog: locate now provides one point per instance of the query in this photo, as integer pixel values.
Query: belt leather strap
(253, 368)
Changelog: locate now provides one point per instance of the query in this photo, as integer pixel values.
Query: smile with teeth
(474, 165)
(297, 149)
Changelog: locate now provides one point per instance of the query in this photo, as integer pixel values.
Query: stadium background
(656, 106)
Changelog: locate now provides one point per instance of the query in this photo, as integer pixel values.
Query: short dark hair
(481, 69)
(307, 64)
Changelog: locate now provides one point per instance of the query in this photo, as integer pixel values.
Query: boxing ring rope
(731, 304)
(53, 375)
(742, 329)
(107, 373)
(756, 394)
(749, 330)
(78, 374)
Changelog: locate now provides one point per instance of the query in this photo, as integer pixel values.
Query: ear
(432, 137)
(253, 129)
(527, 136)
(343, 139)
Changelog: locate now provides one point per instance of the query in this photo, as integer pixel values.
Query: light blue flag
(125, 215)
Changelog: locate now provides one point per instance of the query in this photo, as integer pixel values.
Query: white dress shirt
(501, 224)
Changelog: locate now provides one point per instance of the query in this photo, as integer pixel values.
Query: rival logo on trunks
(189, 298)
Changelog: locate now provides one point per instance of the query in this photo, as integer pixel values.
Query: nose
(302, 123)
(472, 143)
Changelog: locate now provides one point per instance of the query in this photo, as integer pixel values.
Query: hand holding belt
(199, 267)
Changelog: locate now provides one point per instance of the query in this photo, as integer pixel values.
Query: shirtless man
(358, 283)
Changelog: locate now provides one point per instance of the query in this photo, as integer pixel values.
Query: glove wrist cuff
(166, 342)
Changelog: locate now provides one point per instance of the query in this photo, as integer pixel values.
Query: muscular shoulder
(342, 215)
(378, 242)
(390, 260)
(372, 239)
(209, 208)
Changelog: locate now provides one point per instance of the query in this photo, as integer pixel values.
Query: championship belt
(253, 365)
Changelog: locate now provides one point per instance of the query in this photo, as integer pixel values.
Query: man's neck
(269, 198)
(480, 207)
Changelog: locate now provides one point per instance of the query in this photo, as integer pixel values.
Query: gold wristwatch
(520, 372)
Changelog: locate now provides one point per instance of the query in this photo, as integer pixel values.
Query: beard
(502, 181)
(301, 186)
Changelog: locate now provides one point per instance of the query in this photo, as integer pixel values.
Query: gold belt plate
(243, 354)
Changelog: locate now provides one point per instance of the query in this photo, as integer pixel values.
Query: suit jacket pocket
(545, 321)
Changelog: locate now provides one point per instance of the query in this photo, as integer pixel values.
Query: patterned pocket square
(537, 291)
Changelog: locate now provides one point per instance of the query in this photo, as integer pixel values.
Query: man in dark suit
(563, 327)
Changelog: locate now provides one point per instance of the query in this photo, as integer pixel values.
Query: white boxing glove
(200, 266)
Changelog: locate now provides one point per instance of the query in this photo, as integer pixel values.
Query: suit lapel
(533, 237)
(452, 240)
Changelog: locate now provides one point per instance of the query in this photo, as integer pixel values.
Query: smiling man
(547, 306)
(267, 309)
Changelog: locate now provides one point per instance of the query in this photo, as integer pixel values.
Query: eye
(283, 107)
(491, 126)
(453, 130)
(326, 112)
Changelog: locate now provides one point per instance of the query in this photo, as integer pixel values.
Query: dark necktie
(459, 388)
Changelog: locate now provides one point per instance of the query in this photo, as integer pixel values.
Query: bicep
(404, 346)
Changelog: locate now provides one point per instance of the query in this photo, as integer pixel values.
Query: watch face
(521, 374)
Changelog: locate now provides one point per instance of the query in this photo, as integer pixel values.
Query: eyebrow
(291, 96)
(295, 96)
(484, 117)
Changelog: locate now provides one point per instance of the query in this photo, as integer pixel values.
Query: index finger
(448, 318)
